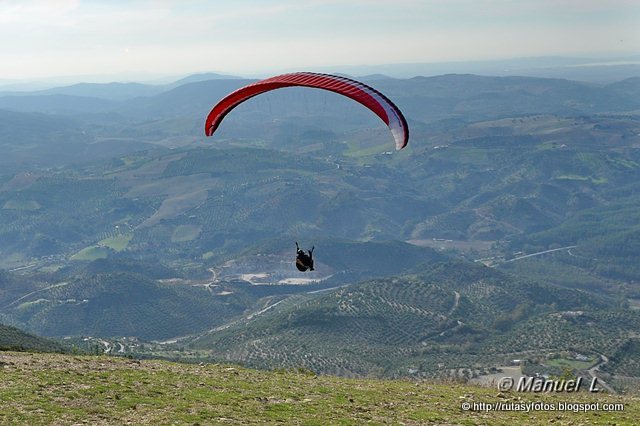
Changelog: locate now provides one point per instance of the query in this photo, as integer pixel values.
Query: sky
(50, 38)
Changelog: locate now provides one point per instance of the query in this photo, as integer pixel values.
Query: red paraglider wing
(367, 96)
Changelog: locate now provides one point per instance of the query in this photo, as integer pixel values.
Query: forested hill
(426, 324)
(14, 339)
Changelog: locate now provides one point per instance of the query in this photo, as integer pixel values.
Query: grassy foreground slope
(52, 388)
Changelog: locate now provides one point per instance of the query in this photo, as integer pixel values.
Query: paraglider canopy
(360, 92)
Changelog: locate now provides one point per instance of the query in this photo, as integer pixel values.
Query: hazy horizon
(145, 40)
(581, 69)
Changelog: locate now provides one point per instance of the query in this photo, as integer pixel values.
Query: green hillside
(119, 296)
(44, 389)
(126, 304)
(13, 339)
(517, 184)
(450, 316)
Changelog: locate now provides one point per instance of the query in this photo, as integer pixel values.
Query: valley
(501, 232)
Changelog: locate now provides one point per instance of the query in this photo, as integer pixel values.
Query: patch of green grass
(103, 248)
(573, 364)
(51, 268)
(49, 388)
(358, 149)
(117, 243)
(91, 253)
(27, 305)
(471, 155)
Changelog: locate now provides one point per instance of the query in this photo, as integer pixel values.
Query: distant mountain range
(118, 91)
(133, 115)
(87, 84)
(593, 70)
(589, 69)
(206, 88)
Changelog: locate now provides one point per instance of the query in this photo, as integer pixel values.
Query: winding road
(593, 370)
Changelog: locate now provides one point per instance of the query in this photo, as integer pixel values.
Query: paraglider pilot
(304, 261)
